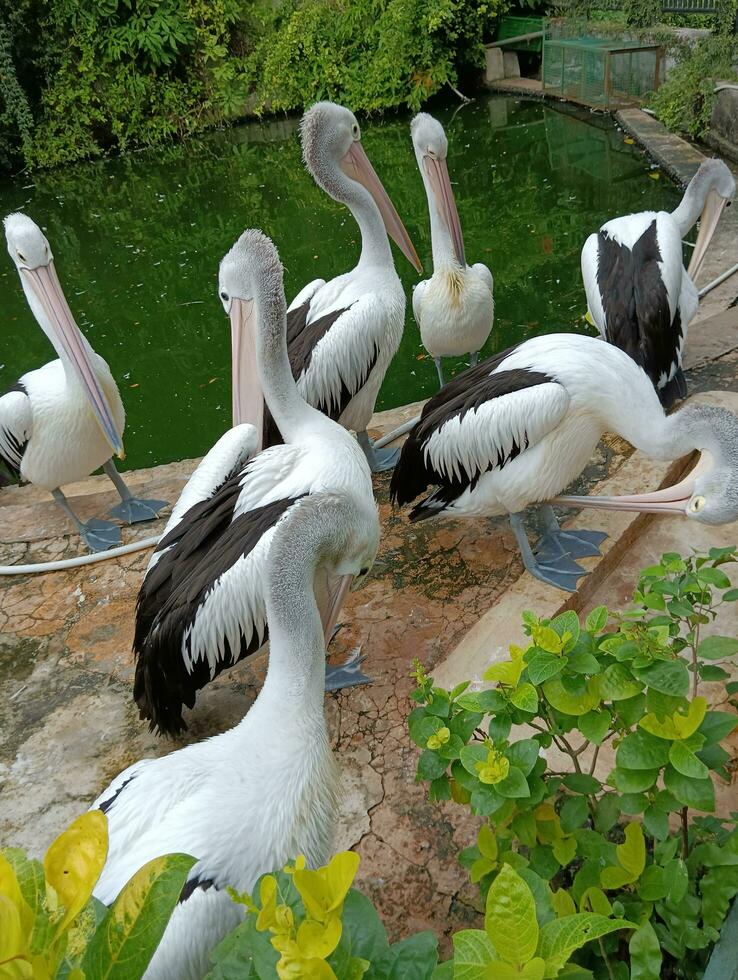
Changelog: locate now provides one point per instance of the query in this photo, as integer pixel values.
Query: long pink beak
(674, 499)
(356, 165)
(45, 284)
(337, 589)
(708, 223)
(246, 391)
(440, 182)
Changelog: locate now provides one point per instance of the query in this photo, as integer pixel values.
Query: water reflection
(138, 239)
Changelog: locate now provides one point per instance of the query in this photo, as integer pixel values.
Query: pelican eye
(364, 571)
(21, 256)
(224, 296)
(355, 131)
(696, 504)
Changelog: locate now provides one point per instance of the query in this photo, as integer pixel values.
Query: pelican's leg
(379, 459)
(560, 571)
(473, 358)
(131, 509)
(578, 544)
(439, 368)
(98, 535)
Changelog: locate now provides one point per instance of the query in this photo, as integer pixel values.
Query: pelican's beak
(670, 500)
(44, 283)
(708, 223)
(356, 165)
(247, 394)
(437, 173)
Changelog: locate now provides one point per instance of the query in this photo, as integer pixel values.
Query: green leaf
(573, 814)
(656, 823)
(597, 620)
(632, 853)
(676, 880)
(543, 666)
(431, 765)
(510, 920)
(126, 939)
(524, 754)
(473, 952)
(514, 785)
(533, 970)
(711, 672)
(667, 676)
(634, 780)
(562, 937)
(607, 812)
(645, 954)
(652, 886)
(717, 725)
(567, 703)
(525, 697)
(362, 924)
(718, 887)
(567, 622)
(482, 702)
(717, 647)
(713, 576)
(581, 782)
(640, 750)
(594, 725)
(547, 639)
(686, 762)
(617, 684)
(697, 793)
(564, 850)
(413, 958)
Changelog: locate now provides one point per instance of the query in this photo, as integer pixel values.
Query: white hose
(58, 566)
(396, 433)
(716, 282)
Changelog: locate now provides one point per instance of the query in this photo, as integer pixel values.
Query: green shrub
(685, 101)
(594, 841)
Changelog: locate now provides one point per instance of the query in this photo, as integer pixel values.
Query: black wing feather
(469, 390)
(636, 304)
(10, 464)
(204, 545)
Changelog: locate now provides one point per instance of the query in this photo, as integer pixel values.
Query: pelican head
(250, 277)
(709, 493)
(332, 150)
(30, 251)
(431, 149)
(714, 183)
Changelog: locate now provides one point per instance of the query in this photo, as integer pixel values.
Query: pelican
(454, 309)
(640, 296)
(342, 334)
(246, 801)
(202, 604)
(61, 422)
(517, 429)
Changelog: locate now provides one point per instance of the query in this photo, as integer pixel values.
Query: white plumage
(454, 309)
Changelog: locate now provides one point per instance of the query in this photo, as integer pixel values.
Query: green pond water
(137, 242)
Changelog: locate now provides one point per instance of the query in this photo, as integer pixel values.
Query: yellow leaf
(487, 842)
(10, 888)
(317, 940)
(268, 899)
(595, 900)
(676, 726)
(324, 890)
(508, 672)
(632, 854)
(655, 175)
(74, 861)
(629, 140)
(563, 903)
(571, 704)
(13, 947)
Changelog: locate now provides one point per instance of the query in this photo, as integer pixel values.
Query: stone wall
(724, 123)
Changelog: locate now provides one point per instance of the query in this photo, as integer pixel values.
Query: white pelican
(61, 422)
(518, 428)
(247, 801)
(454, 309)
(640, 296)
(342, 334)
(202, 604)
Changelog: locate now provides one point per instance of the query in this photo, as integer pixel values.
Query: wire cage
(599, 72)
(689, 6)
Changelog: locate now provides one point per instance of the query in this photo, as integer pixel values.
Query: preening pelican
(518, 428)
(640, 296)
(61, 422)
(247, 801)
(202, 604)
(343, 334)
(454, 309)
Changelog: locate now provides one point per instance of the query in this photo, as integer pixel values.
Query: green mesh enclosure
(599, 72)
(689, 6)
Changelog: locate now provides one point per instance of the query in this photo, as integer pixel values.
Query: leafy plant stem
(685, 833)
(604, 957)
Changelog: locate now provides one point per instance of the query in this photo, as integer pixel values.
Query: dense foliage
(584, 839)
(79, 77)
(685, 101)
(51, 927)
